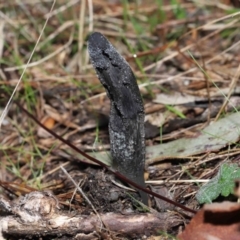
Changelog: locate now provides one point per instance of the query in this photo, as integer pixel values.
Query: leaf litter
(71, 101)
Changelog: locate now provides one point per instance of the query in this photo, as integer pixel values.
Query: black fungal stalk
(126, 123)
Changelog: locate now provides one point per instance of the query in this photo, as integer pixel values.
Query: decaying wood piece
(126, 124)
(38, 214)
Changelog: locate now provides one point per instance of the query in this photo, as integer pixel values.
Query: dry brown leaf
(217, 221)
(48, 122)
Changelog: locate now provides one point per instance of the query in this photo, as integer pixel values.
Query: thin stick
(178, 181)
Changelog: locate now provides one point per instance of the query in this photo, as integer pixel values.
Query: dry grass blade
(33, 64)
(227, 98)
(5, 111)
(83, 194)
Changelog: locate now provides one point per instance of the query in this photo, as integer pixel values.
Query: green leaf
(221, 184)
(208, 192)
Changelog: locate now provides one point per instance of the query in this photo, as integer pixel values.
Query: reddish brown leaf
(215, 221)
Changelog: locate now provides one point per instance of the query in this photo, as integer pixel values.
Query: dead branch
(38, 214)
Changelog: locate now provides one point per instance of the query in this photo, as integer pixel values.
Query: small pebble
(113, 196)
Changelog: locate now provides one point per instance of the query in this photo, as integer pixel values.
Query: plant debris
(185, 56)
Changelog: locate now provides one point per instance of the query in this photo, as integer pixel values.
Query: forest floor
(185, 56)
